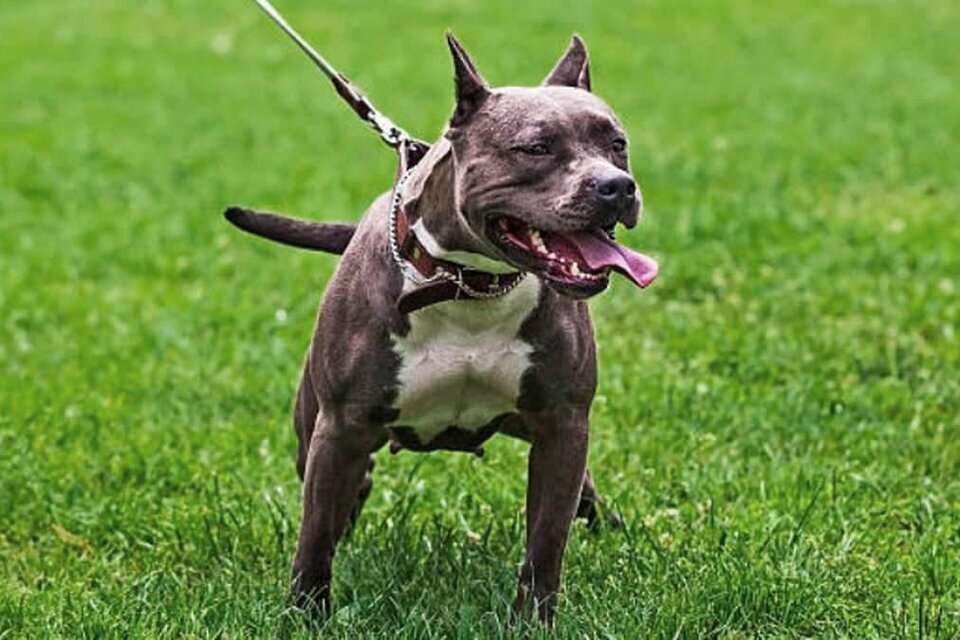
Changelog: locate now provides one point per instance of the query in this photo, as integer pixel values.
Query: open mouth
(549, 254)
(579, 260)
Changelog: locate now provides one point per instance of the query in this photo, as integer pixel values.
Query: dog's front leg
(557, 463)
(337, 462)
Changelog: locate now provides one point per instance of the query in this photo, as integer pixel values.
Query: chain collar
(456, 276)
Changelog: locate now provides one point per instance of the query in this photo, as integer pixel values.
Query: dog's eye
(536, 149)
(619, 145)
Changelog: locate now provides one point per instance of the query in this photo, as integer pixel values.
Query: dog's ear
(573, 68)
(472, 89)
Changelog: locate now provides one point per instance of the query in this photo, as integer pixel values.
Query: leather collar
(443, 280)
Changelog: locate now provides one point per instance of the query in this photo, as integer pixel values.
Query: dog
(458, 311)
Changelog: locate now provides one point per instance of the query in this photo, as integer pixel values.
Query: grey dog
(458, 311)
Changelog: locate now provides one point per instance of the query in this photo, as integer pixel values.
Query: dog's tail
(329, 237)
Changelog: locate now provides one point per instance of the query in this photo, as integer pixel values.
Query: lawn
(778, 417)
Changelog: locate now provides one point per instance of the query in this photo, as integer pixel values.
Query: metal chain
(405, 267)
(396, 137)
(457, 278)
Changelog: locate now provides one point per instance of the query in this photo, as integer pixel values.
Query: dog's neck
(434, 214)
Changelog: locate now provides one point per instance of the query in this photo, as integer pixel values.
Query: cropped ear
(472, 89)
(573, 68)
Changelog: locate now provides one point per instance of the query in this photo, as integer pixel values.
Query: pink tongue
(599, 251)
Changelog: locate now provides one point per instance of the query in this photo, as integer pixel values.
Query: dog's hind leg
(591, 507)
(304, 419)
(337, 464)
(305, 411)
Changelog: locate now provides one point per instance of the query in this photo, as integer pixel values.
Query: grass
(778, 417)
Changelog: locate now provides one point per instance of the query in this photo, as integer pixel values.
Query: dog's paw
(531, 611)
(597, 516)
(312, 599)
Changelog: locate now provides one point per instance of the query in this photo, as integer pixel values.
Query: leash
(389, 132)
(446, 281)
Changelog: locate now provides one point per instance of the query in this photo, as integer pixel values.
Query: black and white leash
(396, 138)
(391, 134)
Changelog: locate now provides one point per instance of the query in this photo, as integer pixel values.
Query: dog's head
(543, 175)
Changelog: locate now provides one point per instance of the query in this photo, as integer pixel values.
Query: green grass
(778, 418)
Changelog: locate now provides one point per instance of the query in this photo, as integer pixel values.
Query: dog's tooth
(575, 269)
(552, 255)
(537, 241)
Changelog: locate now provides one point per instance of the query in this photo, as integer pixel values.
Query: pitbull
(457, 311)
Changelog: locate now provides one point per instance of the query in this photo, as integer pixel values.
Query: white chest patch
(462, 361)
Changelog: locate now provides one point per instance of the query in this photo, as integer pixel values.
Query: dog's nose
(616, 189)
(616, 196)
